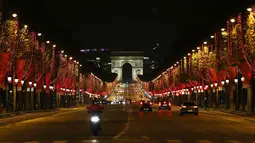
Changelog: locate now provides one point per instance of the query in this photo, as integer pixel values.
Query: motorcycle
(95, 122)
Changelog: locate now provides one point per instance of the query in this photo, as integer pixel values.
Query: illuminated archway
(136, 62)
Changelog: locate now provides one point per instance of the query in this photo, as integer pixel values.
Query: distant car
(189, 108)
(145, 106)
(164, 105)
(105, 102)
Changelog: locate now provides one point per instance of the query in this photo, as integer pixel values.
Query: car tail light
(183, 106)
(150, 103)
(195, 106)
(141, 103)
(159, 103)
(164, 102)
(169, 104)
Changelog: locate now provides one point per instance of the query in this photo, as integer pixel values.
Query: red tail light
(150, 103)
(141, 103)
(164, 102)
(169, 104)
(159, 104)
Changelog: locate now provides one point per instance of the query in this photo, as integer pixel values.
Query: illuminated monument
(134, 58)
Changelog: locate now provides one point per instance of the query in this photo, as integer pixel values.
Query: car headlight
(95, 119)
(123, 102)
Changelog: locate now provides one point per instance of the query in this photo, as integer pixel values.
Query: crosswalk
(208, 141)
(137, 141)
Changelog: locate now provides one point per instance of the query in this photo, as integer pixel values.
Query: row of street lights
(31, 85)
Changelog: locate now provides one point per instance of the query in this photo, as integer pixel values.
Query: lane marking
(60, 142)
(203, 141)
(232, 141)
(126, 126)
(90, 141)
(145, 137)
(173, 141)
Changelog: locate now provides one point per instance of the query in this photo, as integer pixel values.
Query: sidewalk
(228, 113)
(224, 111)
(22, 116)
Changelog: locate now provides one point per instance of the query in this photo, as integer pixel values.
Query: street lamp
(48, 42)
(62, 51)
(22, 82)
(30, 86)
(35, 97)
(9, 78)
(14, 15)
(227, 81)
(39, 34)
(215, 84)
(44, 86)
(236, 80)
(237, 92)
(16, 80)
(22, 96)
(242, 79)
(232, 20)
(51, 96)
(35, 84)
(212, 36)
(222, 82)
(249, 9)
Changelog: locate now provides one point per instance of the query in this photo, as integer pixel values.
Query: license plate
(189, 110)
(164, 104)
(146, 109)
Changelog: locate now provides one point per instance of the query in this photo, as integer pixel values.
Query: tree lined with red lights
(227, 53)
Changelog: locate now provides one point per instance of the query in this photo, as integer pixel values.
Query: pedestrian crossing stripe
(203, 141)
(173, 141)
(60, 142)
(232, 141)
(131, 140)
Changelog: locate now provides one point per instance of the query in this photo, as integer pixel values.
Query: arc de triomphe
(134, 58)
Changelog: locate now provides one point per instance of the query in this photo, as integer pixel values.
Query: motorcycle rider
(95, 106)
(96, 109)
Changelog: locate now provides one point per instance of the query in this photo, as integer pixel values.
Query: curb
(7, 115)
(229, 113)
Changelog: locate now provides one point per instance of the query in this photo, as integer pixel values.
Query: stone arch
(136, 62)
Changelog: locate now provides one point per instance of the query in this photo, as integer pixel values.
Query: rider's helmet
(95, 102)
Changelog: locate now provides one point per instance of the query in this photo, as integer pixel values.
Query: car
(105, 102)
(145, 106)
(189, 107)
(164, 105)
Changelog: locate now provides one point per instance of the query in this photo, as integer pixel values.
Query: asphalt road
(127, 124)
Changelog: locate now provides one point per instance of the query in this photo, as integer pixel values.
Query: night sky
(177, 25)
